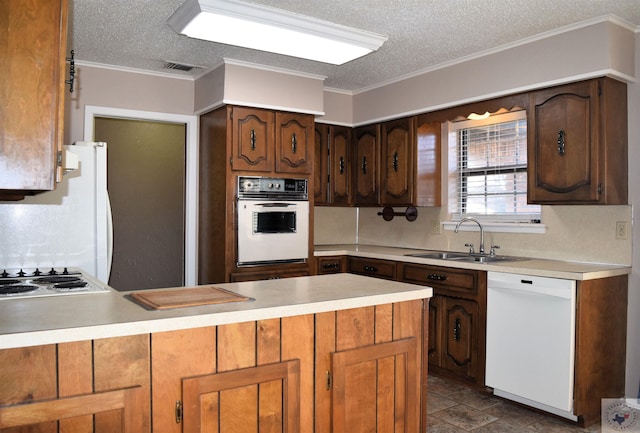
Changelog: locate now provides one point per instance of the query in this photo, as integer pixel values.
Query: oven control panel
(271, 187)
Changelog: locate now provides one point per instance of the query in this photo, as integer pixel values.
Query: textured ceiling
(422, 33)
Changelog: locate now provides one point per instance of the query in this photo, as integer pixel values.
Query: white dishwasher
(531, 340)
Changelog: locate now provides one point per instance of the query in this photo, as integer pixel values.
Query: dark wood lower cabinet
(460, 329)
(457, 319)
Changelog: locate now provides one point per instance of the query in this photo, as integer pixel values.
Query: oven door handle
(275, 204)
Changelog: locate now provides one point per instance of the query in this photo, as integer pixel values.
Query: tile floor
(455, 408)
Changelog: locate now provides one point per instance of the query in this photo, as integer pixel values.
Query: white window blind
(488, 169)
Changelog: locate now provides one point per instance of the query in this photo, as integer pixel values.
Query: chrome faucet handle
(471, 250)
(492, 252)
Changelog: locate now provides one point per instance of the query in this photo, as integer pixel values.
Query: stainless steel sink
(442, 255)
(463, 257)
(486, 259)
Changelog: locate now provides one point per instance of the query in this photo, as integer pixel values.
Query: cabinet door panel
(396, 165)
(32, 49)
(340, 169)
(563, 138)
(228, 401)
(367, 379)
(252, 133)
(294, 142)
(563, 150)
(365, 165)
(460, 336)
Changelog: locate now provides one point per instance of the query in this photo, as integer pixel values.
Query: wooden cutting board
(162, 299)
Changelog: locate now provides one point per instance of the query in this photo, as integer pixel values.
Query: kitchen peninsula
(291, 355)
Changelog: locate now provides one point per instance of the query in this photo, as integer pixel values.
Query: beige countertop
(537, 267)
(58, 319)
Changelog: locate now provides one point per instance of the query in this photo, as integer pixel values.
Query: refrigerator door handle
(109, 237)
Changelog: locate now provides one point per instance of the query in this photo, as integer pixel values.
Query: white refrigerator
(68, 227)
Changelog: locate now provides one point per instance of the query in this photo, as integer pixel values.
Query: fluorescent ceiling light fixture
(278, 31)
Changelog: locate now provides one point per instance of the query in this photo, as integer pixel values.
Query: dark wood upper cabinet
(252, 139)
(332, 165)
(365, 165)
(398, 163)
(577, 144)
(294, 142)
(32, 89)
(340, 183)
(397, 170)
(268, 141)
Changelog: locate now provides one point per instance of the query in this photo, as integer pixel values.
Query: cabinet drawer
(372, 267)
(445, 281)
(330, 265)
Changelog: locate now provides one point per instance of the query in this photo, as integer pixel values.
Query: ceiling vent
(180, 66)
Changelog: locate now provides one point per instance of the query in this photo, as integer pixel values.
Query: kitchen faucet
(481, 232)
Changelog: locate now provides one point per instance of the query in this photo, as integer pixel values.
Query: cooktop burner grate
(14, 289)
(70, 285)
(55, 279)
(5, 282)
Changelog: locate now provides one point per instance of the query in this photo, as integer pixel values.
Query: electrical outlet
(621, 230)
(435, 227)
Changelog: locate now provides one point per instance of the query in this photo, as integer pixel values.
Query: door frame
(191, 180)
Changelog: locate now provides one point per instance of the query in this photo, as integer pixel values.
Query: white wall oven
(272, 220)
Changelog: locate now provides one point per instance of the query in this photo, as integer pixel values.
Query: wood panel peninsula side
(330, 353)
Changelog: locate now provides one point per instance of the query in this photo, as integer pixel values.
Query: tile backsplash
(573, 233)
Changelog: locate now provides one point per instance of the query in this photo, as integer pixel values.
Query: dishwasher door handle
(564, 293)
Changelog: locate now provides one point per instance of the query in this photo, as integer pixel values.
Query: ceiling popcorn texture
(422, 33)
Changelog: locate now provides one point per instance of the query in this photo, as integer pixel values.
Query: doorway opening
(152, 178)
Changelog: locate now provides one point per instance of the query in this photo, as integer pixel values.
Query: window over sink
(487, 176)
